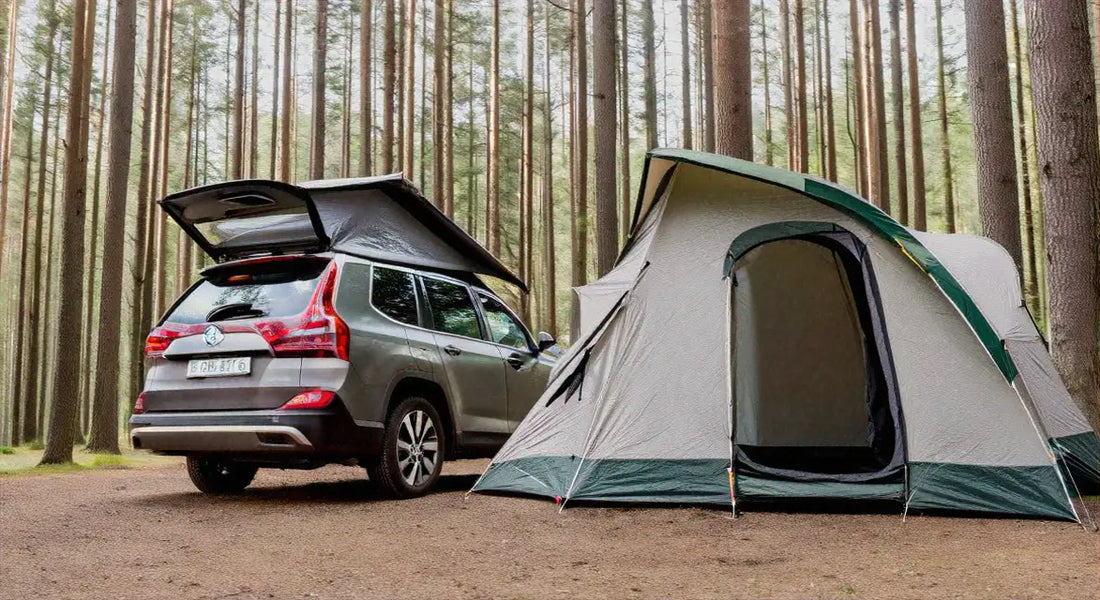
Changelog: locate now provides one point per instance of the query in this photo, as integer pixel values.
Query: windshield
(247, 295)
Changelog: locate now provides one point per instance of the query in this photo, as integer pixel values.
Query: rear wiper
(237, 310)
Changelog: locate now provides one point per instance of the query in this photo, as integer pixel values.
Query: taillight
(310, 399)
(317, 333)
(139, 404)
(159, 339)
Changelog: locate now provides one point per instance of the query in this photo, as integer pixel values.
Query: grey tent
(382, 218)
(768, 335)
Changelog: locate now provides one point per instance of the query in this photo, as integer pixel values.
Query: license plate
(219, 367)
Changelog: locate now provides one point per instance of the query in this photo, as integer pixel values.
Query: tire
(219, 475)
(411, 460)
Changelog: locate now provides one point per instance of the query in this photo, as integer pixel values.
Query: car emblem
(212, 335)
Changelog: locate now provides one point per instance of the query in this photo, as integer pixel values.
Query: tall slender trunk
(991, 108)
(624, 118)
(1062, 75)
(548, 253)
(858, 119)
(580, 147)
(945, 141)
(708, 74)
(879, 169)
(104, 430)
(899, 111)
(448, 115)
(161, 182)
(685, 78)
(274, 147)
(22, 318)
(733, 79)
(366, 116)
(389, 85)
(317, 132)
(603, 112)
(254, 98)
(408, 128)
(237, 129)
(423, 105)
(6, 121)
(1031, 283)
(802, 142)
(66, 382)
(916, 140)
(769, 150)
(830, 122)
(789, 117)
(650, 74)
(492, 175)
(287, 89)
(527, 204)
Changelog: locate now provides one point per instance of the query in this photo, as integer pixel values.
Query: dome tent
(769, 335)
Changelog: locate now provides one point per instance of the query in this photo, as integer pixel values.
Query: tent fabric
(661, 377)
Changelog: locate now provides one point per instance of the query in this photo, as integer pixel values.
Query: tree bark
(580, 145)
(548, 229)
(991, 108)
(802, 147)
(858, 117)
(733, 79)
(59, 444)
(22, 341)
(603, 111)
(945, 141)
(287, 88)
(765, 67)
(650, 74)
(879, 175)
(1031, 283)
(104, 432)
(438, 64)
(492, 176)
(366, 114)
(408, 127)
(6, 120)
(254, 96)
(526, 203)
(708, 73)
(830, 121)
(789, 117)
(1063, 88)
(685, 79)
(389, 87)
(624, 117)
(320, 52)
(899, 110)
(916, 141)
(237, 160)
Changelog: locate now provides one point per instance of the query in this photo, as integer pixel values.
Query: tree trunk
(789, 117)
(548, 229)
(991, 107)
(1062, 88)
(879, 169)
(237, 160)
(448, 116)
(389, 86)
(733, 79)
(685, 78)
(63, 413)
(104, 431)
(366, 115)
(254, 96)
(320, 50)
(1031, 257)
(580, 143)
(287, 88)
(527, 204)
(161, 181)
(624, 120)
(801, 141)
(274, 144)
(19, 361)
(603, 109)
(408, 128)
(945, 141)
(708, 73)
(899, 111)
(830, 122)
(650, 74)
(916, 141)
(423, 105)
(6, 120)
(769, 149)
(439, 61)
(492, 175)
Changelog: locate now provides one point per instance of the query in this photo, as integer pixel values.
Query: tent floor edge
(1025, 491)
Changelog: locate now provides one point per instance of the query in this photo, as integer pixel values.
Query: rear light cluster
(312, 399)
(318, 332)
(139, 404)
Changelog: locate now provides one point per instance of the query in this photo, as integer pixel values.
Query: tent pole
(731, 391)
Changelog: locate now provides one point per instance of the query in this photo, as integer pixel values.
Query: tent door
(814, 397)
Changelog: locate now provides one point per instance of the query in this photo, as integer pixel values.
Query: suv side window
(452, 309)
(503, 328)
(393, 294)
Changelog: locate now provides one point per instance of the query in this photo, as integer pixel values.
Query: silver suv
(290, 354)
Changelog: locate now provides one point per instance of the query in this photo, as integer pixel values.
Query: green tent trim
(1030, 490)
(1080, 453)
(865, 212)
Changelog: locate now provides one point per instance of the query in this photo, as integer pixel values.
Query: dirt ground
(146, 533)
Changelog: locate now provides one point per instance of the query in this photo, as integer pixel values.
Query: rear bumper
(328, 434)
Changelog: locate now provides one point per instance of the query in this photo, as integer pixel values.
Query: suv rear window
(249, 294)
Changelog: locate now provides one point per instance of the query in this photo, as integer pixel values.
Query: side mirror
(546, 341)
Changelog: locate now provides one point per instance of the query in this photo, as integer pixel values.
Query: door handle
(453, 351)
(516, 361)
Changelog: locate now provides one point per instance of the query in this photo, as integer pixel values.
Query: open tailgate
(236, 219)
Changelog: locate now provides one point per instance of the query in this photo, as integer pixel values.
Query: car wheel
(219, 475)
(412, 450)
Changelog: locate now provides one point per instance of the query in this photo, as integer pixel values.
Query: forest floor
(144, 532)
